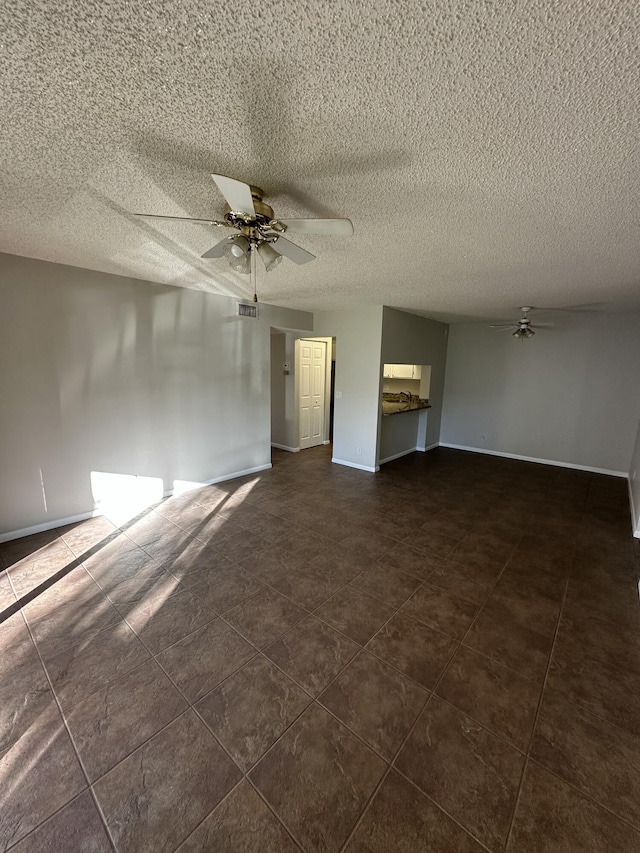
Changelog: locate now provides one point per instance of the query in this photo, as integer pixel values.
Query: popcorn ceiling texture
(487, 152)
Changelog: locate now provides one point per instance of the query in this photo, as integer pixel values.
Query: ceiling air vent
(247, 309)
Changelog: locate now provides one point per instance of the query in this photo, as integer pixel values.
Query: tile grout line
(529, 758)
(71, 740)
(535, 722)
(360, 649)
(544, 685)
(313, 699)
(273, 812)
(391, 766)
(190, 707)
(589, 797)
(42, 823)
(433, 693)
(444, 811)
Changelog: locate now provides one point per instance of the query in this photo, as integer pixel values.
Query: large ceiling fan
(523, 327)
(256, 229)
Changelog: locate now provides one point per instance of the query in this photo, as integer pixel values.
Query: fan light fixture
(523, 326)
(270, 258)
(523, 333)
(257, 229)
(239, 246)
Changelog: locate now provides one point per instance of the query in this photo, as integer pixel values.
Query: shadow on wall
(153, 381)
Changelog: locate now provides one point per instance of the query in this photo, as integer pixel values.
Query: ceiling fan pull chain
(253, 260)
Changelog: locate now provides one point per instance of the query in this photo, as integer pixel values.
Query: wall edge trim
(407, 452)
(355, 465)
(635, 519)
(10, 535)
(284, 447)
(222, 479)
(553, 462)
(398, 455)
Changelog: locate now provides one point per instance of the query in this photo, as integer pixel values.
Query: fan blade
(218, 250)
(587, 308)
(503, 326)
(293, 252)
(342, 227)
(237, 194)
(180, 219)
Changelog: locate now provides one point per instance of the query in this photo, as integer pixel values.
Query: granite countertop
(397, 408)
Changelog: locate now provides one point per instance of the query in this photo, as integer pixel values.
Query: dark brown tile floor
(442, 657)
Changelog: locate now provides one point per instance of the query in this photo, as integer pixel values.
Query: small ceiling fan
(523, 327)
(256, 229)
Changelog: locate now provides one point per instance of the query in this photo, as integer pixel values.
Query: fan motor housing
(263, 213)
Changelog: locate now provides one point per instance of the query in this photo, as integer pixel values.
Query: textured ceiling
(487, 152)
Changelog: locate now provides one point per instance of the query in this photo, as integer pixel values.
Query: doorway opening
(302, 390)
(311, 371)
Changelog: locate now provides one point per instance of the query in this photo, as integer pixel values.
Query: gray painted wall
(401, 433)
(110, 374)
(409, 339)
(568, 395)
(634, 481)
(358, 376)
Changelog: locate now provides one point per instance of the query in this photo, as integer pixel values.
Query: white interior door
(312, 372)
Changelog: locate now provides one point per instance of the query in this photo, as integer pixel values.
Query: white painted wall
(568, 395)
(409, 339)
(634, 484)
(110, 374)
(278, 390)
(290, 432)
(358, 376)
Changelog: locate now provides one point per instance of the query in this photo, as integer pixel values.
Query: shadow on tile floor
(444, 656)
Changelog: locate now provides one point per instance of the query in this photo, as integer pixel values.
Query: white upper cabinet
(402, 371)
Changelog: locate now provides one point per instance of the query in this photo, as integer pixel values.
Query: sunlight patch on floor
(120, 497)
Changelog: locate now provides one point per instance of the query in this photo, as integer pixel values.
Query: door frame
(327, 383)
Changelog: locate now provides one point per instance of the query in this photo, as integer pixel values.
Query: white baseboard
(356, 465)
(223, 479)
(326, 442)
(398, 455)
(284, 447)
(635, 518)
(47, 525)
(535, 459)
(407, 452)
(83, 516)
